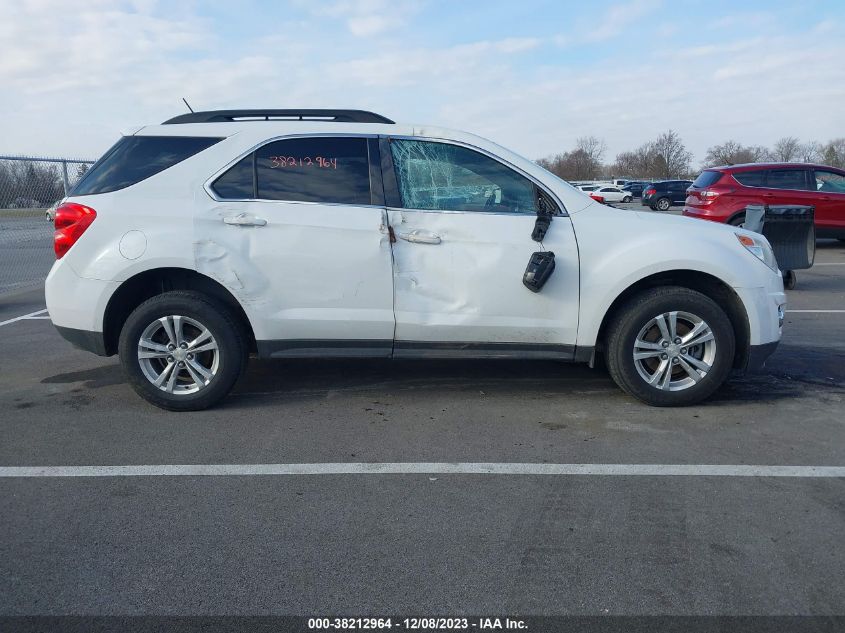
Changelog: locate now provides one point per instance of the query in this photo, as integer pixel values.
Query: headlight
(760, 248)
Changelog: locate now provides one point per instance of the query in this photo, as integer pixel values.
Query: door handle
(244, 219)
(418, 236)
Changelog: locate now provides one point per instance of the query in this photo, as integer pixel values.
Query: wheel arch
(149, 283)
(705, 283)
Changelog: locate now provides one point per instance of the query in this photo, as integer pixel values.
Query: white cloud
(76, 73)
(618, 18)
(365, 18)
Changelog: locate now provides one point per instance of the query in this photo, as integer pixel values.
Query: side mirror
(541, 226)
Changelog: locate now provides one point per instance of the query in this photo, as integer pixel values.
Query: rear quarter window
(136, 158)
(750, 178)
(707, 178)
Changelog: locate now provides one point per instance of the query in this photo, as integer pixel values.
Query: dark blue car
(665, 193)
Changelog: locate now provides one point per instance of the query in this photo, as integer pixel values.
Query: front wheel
(627, 199)
(182, 350)
(670, 346)
(663, 204)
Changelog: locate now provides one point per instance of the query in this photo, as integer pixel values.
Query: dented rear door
(296, 232)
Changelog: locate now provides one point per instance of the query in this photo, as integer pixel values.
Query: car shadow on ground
(791, 372)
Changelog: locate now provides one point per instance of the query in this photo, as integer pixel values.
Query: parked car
(588, 188)
(665, 193)
(333, 233)
(635, 188)
(50, 213)
(722, 193)
(614, 194)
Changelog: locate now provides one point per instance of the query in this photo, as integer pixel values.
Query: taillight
(71, 221)
(650, 192)
(707, 193)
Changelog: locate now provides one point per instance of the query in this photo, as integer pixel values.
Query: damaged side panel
(302, 271)
(468, 287)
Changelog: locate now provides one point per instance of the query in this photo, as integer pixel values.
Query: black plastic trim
(391, 187)
(228, 116)
(325, 348)
(758, 354)
(376, 183)
(386, 348)
(84, 339)
(459, 349)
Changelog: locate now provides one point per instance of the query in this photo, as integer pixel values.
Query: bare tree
(786, 149)
(810, 151)
(734, 153)
(582, 163)
(593, 147)
(671, 158)
(833, 153)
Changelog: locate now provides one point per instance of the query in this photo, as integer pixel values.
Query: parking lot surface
(425, 542)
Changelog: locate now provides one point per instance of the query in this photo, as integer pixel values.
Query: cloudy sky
(531, 74)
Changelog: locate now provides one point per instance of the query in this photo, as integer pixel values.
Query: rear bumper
(85, 340)
(705, 214)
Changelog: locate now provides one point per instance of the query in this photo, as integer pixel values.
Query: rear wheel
(182, 350)
(670, 346)
(737, 220)
(663, 204)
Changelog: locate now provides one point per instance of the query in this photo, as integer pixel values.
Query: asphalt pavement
(422, 543)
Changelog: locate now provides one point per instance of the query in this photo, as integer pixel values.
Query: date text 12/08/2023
(303, 161)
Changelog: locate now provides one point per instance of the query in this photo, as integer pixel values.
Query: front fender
(620, 248)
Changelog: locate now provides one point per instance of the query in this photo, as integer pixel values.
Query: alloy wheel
(674, 350)
(178, 354)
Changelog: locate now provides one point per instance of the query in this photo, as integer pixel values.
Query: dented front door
(463, 239)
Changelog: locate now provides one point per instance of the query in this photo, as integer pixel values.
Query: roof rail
(335, 116)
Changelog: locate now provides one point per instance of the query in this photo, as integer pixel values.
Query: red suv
(722, 193)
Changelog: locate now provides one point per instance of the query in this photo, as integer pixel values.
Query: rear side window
(786, 179)
(238, 183)
(707, 178)
(318, 169)
(136, 158)
(750, 178)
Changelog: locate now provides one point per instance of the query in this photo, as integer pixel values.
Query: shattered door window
(444, 177)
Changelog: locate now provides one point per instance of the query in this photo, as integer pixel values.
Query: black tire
(737, 220)
(663, 204)
(627, 199)
(232, 351)
(636, 314)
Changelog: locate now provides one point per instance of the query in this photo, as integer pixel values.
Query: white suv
(338, 233)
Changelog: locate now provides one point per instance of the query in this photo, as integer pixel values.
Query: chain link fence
(30, 189)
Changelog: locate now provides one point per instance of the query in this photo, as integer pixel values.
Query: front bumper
(758, 354)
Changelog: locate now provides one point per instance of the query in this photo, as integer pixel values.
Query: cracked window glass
(440, 176)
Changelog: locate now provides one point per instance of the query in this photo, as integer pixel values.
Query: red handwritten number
(303, 161)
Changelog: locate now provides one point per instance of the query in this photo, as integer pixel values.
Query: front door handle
(244, 219)
(418, 236)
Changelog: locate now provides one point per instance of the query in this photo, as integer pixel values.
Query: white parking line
(828, 264)
(423, 468)
(817, 311)
(21, 318)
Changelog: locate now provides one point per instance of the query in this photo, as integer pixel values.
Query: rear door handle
(244, 219)
(418, 236)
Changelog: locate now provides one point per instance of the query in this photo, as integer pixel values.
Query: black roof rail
(336, 116)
